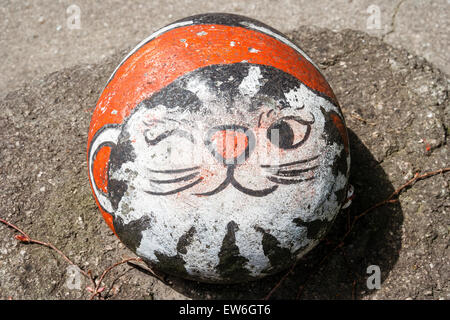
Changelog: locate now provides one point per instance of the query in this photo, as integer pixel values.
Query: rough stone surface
(397, 109)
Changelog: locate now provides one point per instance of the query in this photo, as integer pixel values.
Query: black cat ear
(275, 86)
(172, 97)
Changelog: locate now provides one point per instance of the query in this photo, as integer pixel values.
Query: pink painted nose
(229, 144)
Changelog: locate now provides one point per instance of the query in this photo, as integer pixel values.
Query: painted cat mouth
(285, 174)
(231, 180)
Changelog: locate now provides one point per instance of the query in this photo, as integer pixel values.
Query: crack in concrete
(394, 15)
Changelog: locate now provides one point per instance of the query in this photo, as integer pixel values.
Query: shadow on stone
(374, 240)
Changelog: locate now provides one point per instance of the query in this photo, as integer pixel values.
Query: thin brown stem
(107, 270)
(25, 238)
(280, 282)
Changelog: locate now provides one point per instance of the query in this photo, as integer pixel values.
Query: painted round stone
(217, 150)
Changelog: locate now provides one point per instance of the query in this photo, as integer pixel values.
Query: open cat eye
(289, 132)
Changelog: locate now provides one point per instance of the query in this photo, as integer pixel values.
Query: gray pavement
(36, 39)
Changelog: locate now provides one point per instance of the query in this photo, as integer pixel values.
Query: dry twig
(25, 238)
(95, 289)
(358, 117)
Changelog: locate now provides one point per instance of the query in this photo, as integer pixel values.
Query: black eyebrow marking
(184, 178)
(259, 119)
(262, 113)
(175, 170)
(289, 163)
(176, 190)
(150, 122)
(177, 121)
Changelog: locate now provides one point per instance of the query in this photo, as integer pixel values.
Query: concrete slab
(36, 39)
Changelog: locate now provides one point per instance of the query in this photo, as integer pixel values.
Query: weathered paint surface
(218, 151)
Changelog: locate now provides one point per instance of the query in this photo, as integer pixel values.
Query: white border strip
(281, 38)
(243, 23)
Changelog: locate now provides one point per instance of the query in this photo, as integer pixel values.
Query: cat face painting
(217, 151)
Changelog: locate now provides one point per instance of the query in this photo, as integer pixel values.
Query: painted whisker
(289, 163)
(175, 170)
(293, 173)
(166, 193)
(288, 181)
(184, 178)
